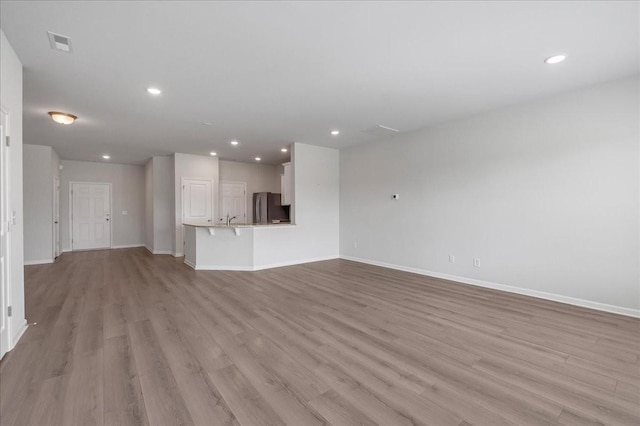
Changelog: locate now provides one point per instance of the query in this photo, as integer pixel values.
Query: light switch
(124, 212)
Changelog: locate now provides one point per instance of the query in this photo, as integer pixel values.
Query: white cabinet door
(287, 185)
(196, 200)
(91, 216)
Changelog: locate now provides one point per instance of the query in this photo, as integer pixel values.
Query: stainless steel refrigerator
(267, 208)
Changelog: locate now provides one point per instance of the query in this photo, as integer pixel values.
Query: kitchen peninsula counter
(236, 247)
(235, 225)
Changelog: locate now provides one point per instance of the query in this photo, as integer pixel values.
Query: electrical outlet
(452, 259)
(476, 262)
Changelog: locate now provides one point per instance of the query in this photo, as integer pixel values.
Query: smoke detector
(59, 42)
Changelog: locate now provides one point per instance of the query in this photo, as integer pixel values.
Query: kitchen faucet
(229, 219)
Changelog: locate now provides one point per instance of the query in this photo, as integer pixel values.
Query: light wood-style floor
(127, 338)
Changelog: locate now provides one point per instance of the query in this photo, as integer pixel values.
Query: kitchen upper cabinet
(286, 183)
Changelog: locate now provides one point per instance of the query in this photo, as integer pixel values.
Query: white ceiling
(270, 73)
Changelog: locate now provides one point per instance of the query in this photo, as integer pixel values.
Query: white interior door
(234, 201)
(4, 236)
(91, 216)
(197, 199)
(56, 216)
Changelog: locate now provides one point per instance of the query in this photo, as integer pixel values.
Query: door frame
(71, 183)
(221, 196)
(5, 222)
(56, 212)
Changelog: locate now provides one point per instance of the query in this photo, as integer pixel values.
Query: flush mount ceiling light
(258, 158)
(62, 117)
(213, 154)
(234, 143)
(154, 91)
(335, 132)
(106, 157)
(556, 59)
(284, 149)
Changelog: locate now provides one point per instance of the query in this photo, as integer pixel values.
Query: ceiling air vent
(59, 42)
(381, 130)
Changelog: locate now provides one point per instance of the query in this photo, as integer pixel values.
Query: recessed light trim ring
(555, 59)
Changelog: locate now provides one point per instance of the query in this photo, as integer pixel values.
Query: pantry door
(197, 199)
(234, 201)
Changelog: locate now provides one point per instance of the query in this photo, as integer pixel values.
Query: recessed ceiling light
(258, 158)
(335, 132)
(106, 157)
(555, 59)
(284, 149)
(62, 117)
(207, 124)
(213, 154)
(234, 143)
(154, 91)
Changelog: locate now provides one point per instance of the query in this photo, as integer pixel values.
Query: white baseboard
(258, 267)
(158, 251)
(503, 287)
(177, 254)
(128, 246)
(37, 262)
(108, 248)
(19, 333)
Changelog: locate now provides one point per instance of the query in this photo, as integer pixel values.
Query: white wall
(191, 167)
(148, 205)
(546, 194)
(11, 102)
(258, 177)
(128, 193)
(159, 205)
(38, 203)
(316, 204)
(163, 204)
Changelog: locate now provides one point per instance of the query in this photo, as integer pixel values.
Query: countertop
(234, 225)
